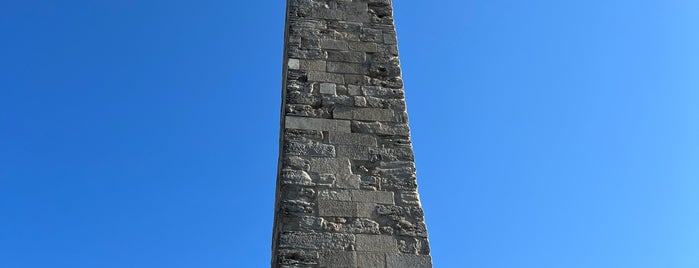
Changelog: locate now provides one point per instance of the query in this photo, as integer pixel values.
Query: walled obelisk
(346, 189)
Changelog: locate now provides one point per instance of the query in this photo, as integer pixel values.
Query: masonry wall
(347, 192)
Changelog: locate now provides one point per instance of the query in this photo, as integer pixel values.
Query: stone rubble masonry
(346, 189)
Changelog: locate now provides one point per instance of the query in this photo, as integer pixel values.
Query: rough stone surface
(347, 191)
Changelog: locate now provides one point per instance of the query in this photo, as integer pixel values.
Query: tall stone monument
(346, 189)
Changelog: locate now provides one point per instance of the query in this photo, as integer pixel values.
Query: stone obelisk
(346, 189)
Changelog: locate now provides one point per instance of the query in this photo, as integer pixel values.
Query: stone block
(367, 114)
(335, 166)
(357, 79)
(412, 261)
(296, 122)
(354, 90)
(363, 46)
(345, 68)
(325, 241)
(294, 64)
(347, 181)
(381, 92)
(297, 177)
(380, 197)
(360, 101)
(376, 243)
(313, 65)
(371, 260)
(366, 210)
(347, 56)
(334, 44)
(328, 88)
(334, 194)
(333, 208)
(353, 152)
(325, 77)
(351, 139)
(339, 259)
(381, 128)
(310, 149)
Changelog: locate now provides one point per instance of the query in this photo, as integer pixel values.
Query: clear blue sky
(548, 134)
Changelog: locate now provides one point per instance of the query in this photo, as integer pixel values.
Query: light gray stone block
(297, 122)
(336, 166)
(412, 261)
(334, 44)
(345, 68)
(326, 77)
(365, 114)
(377, 243)
(347, 181)
(328, 88)
(371, 260)
(353, 152)
(363, 46)
(338, 259)
(366, 210)
(313, 65)
(380, 197)
(294, 64)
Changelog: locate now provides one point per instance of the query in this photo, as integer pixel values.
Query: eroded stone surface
(347, 191)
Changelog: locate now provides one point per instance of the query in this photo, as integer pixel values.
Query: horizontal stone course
(365, 114)
(295, 122)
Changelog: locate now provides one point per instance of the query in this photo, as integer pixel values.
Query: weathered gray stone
(295, 122)
(339, 259)
(326, 77)
(353, 152)
(309, 149)
(376, 243)
(347, 194)
(334, 44)
(347, 56)
(371, 259)
(313, 65)
(361, 226)
(399, 129)
(294, 64)
(334, 194)
(377, 91)
(352, 139)
(328, 88)
(380, 197)
(335, 208)
(345, 68)
(347, 181)
(335, 166)
(324, 241)
(412, 261)
(363, 46)
(365, 114)
(299, 177)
